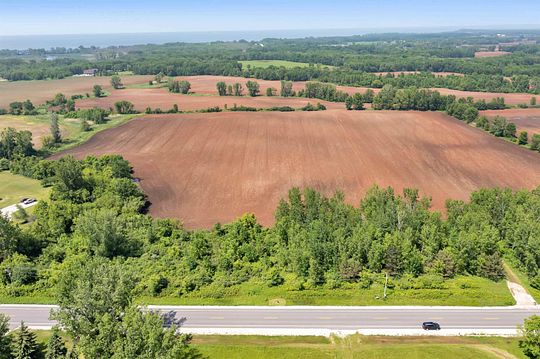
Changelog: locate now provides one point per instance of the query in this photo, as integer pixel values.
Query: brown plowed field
(207, 84)
(509, 98)
(527, 119)
(40, 91)
(481, 54)
(162, 98)
(205, 168)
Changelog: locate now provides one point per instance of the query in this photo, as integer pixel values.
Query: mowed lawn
(356, 346)
(14, 187)
(276, 63)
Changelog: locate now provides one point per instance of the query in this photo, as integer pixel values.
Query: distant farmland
(42, 90)
(163, 99)
(277, 63)
(208, 168)
(525, 119)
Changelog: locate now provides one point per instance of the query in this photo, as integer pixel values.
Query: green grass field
(14, 187)
(354, 346)
(277, 63)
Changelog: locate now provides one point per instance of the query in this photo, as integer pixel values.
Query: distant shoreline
(24, 42)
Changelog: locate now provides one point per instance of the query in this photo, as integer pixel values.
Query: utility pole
(385, 285)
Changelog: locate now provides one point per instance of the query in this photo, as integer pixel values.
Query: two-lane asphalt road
(312, 318)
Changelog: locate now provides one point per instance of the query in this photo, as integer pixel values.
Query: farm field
(38, 125)
(72, 134)
(481, 54)
(208, 168)
(510, 98)
(277, 63)
(162, 98)
(40, 91)
(527, 119)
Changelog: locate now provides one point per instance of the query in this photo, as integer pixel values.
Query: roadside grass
(277, 63)
(459, 291)
(356, 346)
(14, 187)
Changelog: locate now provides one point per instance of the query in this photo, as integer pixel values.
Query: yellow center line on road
(491, 318)
(270, 318)
(217, 318)
(324, 318)
(380, 318)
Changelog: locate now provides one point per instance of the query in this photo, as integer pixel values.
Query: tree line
(96, 210)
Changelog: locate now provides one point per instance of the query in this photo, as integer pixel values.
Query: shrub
(124, 107)
(523, 138)
(281, 108)
(535, 281)
(274, 278)
(365, 280)
(211, 109)
(535, 142)
(158, 284)
(23, 274)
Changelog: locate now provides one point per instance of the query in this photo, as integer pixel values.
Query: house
(90, 72)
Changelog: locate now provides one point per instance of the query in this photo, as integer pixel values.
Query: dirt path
(499, 353)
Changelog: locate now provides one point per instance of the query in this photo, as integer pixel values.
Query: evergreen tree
(98, 91)
(222, 88)
(55, 128)
(56, 349)
(26, 346)
(6, 344)
(523, 138)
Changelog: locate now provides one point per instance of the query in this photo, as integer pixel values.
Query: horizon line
(433, 29)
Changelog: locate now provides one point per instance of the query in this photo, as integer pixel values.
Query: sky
(31, 17)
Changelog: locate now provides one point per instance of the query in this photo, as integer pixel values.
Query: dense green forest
(96, 210)
(353, 60)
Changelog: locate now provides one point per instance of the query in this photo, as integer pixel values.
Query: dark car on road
(431, 326)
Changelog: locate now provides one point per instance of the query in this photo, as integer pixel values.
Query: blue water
(24, 42)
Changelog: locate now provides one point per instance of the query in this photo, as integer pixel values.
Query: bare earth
(40, 91)
(527, 119)
(162, 98)
(509, 98)
(208, 168)
(480, 54)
